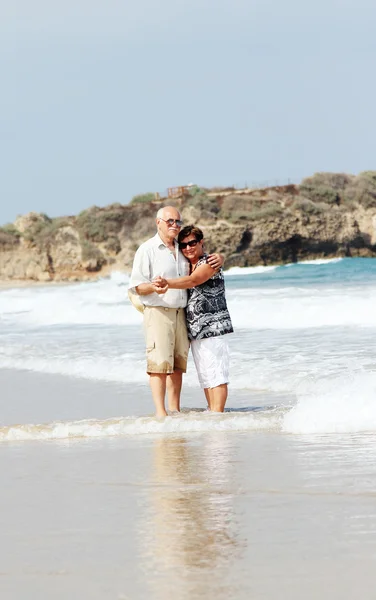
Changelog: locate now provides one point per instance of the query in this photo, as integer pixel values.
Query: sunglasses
(191, 244)
(170, 222)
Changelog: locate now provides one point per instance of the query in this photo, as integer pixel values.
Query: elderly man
(165, 329)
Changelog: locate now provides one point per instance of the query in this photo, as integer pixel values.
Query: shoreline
(106, 274)
(6, 284)
(60, 397)
(64, 398)
(21, 283)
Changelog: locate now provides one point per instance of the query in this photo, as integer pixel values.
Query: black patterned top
(207, 313)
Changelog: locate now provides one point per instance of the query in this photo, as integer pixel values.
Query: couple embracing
(183, 299)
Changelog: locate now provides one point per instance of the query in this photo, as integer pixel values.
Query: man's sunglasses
(170, 222)
(191, 244)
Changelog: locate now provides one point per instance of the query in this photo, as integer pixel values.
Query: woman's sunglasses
(191, 244)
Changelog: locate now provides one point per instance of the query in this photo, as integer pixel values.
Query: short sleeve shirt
(154, 258)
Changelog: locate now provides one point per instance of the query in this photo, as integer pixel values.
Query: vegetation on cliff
(9, 237)
(328, 214)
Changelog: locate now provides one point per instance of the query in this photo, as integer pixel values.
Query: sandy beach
(29, 283)
(216, 514)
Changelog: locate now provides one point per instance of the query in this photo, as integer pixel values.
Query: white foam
(275, 306)
(236, 271)
(302, 308)
(269, 361)
(103, 302)
(122, 369)
(127, 369)
(344, 404)
(320, 261)
(120, 277)
(131, 426)
(106, 303)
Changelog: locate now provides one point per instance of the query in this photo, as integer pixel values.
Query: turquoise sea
(304, 337)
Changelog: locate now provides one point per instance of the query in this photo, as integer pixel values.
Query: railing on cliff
(178, 191)
(237, 188)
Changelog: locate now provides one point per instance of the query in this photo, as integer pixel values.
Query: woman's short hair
(188, 230)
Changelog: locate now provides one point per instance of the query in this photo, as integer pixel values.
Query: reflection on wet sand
(190, 536)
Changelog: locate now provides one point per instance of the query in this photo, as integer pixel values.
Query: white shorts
(212, 360)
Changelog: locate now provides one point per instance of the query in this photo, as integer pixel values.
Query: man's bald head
(161, 214)
(168, 224)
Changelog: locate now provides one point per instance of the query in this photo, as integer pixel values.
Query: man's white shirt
(153, 259)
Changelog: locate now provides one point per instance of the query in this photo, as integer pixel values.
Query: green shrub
(113, 245)
(37, 230)
(8, 239)
(91, 252)
(320, 193)
(43, 233)
(195, 190)
(347, 203)
(147, 197)
(269, 210)
(198, 198)
(98, 225)
(93, 208)
(237, 215)
(240, 206)
(307, 206)
(61, 222)
(10, 229)
(336, 181)
(221, 189)
(362, 190)
(114, 206)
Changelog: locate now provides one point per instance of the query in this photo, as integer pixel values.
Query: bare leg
(217, 397)
(207, 396)
(158, 391)
(174, 383)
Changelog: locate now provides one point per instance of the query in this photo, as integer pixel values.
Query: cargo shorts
(166, 337)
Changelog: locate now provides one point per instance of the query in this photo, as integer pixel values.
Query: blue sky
(102, 100)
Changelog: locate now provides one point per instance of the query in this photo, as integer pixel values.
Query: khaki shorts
(166, 338)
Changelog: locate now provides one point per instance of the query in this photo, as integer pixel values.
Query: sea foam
(106, 303)
(344, 404)
(191, 422)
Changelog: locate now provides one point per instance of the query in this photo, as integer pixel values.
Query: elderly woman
(208, 319)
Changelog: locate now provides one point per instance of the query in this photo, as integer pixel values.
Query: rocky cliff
(327, 215)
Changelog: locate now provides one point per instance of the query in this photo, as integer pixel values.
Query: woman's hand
(216, 261)
(160, 285)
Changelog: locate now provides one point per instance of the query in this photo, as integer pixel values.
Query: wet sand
(216, 515)
(21, 283)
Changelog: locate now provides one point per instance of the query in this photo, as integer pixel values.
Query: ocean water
(304, 346)
(273, 499)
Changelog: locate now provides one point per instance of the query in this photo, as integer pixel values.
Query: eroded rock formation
(321, 218)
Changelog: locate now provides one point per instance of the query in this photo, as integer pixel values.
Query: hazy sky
(101, 100)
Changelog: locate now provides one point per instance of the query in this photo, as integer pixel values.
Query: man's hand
(160, 290)
(216, 261)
